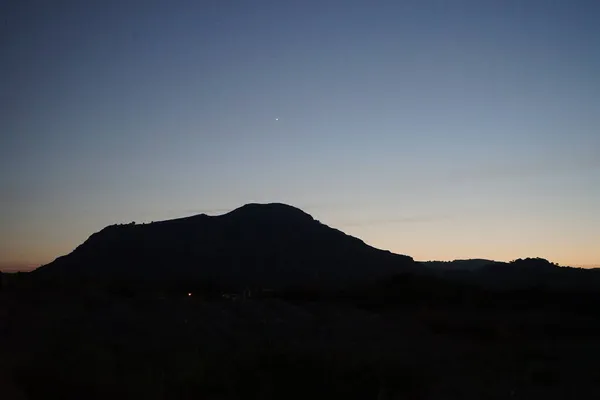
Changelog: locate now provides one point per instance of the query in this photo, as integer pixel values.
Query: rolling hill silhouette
(519, 274)
(266, 245)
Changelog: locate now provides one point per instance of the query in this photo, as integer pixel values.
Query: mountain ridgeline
(529, 273)
(257, 245)
(277, 246)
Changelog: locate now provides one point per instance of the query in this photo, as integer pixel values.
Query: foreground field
(181, 347)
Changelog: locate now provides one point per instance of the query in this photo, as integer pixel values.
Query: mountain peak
(262, 210)
(272, 245)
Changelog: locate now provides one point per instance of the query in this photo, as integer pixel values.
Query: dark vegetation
(282, 306)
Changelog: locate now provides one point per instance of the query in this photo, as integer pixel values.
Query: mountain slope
(270, 245)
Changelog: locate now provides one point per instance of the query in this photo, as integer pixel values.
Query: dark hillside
(266, 245)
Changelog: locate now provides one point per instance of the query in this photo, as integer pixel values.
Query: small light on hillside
(189, 294)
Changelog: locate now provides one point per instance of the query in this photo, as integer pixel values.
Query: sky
(438, 129)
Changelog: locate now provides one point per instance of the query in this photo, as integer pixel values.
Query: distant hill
(267, 245)
(519, 274)
(465, 265)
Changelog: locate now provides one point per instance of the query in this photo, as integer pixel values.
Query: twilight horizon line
(26, 267)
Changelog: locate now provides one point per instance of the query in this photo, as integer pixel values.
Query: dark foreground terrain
(86, 344)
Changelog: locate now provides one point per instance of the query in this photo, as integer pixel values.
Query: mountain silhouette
(524, 273)
(265, 245)
(472, 264)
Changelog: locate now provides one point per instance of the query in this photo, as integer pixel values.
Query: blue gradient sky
(438, 129)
